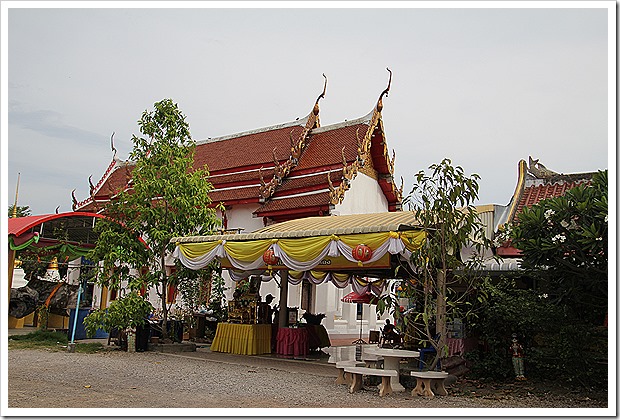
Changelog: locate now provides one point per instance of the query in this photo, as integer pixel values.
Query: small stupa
(52, 273)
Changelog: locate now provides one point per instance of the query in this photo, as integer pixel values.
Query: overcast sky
(485, 87)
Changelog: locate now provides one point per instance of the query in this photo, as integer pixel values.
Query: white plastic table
(391, 360)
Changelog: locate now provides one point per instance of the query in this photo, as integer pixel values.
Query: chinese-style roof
(537, 183)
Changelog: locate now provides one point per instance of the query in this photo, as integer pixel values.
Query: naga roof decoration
(364, 160)
(297, 147)
(293, 169)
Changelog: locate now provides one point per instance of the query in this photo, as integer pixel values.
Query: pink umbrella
(367, 298)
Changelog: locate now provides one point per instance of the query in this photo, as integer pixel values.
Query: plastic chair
(428, 350)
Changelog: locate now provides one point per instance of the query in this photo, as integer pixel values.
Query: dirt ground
(523, 389)
(115, 379)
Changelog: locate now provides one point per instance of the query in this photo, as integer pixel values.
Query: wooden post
(283, 319)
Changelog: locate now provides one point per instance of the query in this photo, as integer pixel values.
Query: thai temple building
(288, 171)
(300, 169)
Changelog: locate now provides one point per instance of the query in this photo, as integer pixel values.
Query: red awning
(354, 297)
(19, 225)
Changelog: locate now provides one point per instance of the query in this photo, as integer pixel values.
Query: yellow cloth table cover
(247, 339)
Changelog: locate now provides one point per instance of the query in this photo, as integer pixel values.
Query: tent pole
(360, 340)
(283, 318)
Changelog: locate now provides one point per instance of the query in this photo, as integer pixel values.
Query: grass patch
(39, 340)
(88, 347)
(51, 340)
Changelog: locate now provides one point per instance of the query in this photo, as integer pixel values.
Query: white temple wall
(241, 216)
(364, 196)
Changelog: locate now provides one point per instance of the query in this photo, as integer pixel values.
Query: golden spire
(14, 215)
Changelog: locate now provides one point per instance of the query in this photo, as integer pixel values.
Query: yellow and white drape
(297, 254)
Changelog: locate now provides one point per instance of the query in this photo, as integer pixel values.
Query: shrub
(128, 312)
(558, 343)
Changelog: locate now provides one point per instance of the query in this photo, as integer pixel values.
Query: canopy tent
(340, 249)
(319, 249)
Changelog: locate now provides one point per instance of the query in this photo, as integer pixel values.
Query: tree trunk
(164, 308)
(441, 312)
(164, 294)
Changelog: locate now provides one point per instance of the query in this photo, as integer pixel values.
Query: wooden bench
(343, 378)
(429, 383)
(385, 387)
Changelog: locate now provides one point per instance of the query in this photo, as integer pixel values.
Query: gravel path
(39, 378)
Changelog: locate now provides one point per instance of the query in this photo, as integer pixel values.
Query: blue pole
(77, 309)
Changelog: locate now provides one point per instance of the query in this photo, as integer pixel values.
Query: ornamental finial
(322, 95)
(385, 92)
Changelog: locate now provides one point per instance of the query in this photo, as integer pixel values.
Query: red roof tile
(247, 193)
(295, 203)
(325, 148)
(252, 150)
(246, 151)
(308, 183)
(534, 194)
(244, 178)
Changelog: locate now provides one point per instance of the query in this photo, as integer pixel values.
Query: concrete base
(15, 322)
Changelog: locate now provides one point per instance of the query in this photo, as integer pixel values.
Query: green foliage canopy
(168, 197)
(564, 243)
(442, 201)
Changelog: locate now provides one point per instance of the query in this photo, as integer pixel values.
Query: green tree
(442, 203)
(167, 198)
(564, 245)
(21, 211)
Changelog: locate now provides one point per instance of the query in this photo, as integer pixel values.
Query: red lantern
(362, 253)
(269, 257)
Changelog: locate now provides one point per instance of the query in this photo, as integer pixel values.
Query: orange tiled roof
(534, 194)
(537, 183)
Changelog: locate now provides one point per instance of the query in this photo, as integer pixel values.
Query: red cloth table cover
(292, 342)
(460, 345)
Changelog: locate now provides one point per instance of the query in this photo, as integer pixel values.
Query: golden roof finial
(322, 95)
(385, 92)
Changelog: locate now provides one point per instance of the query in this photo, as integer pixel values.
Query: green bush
(128, 312)
(558, 343)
